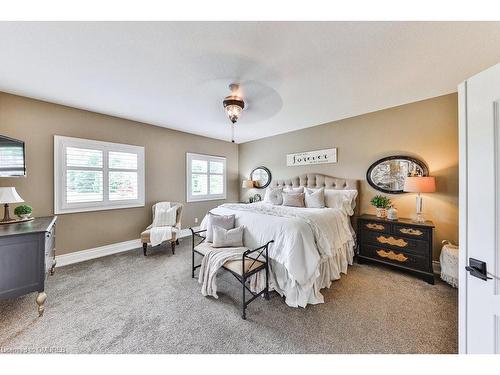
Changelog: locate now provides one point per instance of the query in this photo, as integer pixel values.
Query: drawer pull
(413, 232)
(392, 241)
(375, 226)
(392, 255)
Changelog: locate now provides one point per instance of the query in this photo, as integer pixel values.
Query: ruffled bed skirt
(329, 269)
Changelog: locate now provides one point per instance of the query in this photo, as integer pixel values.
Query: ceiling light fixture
(233, 105)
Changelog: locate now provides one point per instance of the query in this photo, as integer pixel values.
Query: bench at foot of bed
(251, 262)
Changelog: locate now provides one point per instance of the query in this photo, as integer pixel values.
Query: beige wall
(427, 130)
(36, 122)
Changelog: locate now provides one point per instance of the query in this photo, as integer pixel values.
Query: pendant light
(233, 105)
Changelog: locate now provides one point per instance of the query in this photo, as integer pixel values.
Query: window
(206, 177)
(93, 175)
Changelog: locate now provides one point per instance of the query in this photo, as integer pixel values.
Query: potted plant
(24, 211)
(381, 204)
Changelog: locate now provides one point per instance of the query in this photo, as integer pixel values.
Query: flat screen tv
(12, 157)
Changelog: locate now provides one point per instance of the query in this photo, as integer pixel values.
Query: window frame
(208, 158)
(60, 172)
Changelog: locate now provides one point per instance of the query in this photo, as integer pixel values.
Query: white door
(479, 300)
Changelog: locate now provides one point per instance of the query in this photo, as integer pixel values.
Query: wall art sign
(312, 157)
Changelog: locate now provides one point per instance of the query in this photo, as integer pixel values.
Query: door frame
(462, 214)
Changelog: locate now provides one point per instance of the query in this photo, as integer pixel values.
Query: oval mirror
(388, 174)
(261, 177)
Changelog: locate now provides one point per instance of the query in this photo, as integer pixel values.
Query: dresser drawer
(411, 232)
(375, 226)
(396, 257)
(395, 242)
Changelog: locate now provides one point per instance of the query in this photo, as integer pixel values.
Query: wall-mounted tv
(12, 157)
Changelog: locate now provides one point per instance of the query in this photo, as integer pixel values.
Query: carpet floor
(128, 303)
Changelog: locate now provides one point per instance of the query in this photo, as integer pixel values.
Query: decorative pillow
(223, 221)
(344, 200)
(293, 190)
(293, 200)
(228, 238)
(273, 195)
(165, 216)
(315, 198)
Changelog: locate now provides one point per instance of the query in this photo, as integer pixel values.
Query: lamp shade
(9, 195)
(247, 184)
(420, 184)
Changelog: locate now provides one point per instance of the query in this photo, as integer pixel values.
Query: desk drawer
(375, 226)
(395, 242)
(396, 257)
(411, 232)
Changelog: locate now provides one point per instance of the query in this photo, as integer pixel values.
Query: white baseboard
(436, 267)
(96, 252)
(102, 251)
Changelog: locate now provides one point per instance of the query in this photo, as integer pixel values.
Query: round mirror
(388, 174)
(261, 177)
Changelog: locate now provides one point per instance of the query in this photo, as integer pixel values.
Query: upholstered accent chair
(145, 236)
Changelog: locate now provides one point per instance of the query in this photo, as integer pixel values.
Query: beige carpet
(127, 303)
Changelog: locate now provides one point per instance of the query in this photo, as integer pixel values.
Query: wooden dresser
(27, 255)
(401, 243)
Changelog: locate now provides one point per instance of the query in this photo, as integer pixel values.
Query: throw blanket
(159, 234)
(330, 226)
(161, 229)
(212, 261)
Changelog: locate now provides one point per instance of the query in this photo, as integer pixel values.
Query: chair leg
(177, 242)
(144, 248)
(172, 244)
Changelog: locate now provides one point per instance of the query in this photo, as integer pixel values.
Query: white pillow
(344, 200)
(228, 237)
(315, 198)
(165, 216)
(273, 195)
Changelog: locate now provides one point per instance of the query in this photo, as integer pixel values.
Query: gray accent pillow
(293, 190)
(228, 238)
(223, 221)
(293, 200)
(273, 195)
(315, 198)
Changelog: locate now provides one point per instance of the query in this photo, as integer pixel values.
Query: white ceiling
(293, 74)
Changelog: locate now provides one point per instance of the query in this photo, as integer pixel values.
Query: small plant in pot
(381, 204)
(24, 211)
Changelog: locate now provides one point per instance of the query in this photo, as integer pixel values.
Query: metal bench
(242, 269)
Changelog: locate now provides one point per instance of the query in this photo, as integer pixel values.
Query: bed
(312, 246)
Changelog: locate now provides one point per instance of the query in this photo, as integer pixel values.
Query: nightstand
(399, 243)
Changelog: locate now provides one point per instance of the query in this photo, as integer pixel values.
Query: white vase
(381, 212)
(392, 213)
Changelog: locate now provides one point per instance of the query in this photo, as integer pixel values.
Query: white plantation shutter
(84, 175)
(93, 175)
(205, 177)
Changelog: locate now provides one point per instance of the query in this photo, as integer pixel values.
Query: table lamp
(419, 184)
(8, 195)
(247, 184)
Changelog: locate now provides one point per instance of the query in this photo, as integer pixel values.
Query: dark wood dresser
(400, 243)
(27, 255)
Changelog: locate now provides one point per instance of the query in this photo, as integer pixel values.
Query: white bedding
(312, 246)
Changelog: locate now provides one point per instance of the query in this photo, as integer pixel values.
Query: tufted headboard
(317, 180)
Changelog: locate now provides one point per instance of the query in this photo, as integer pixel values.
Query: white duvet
(312, 246)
